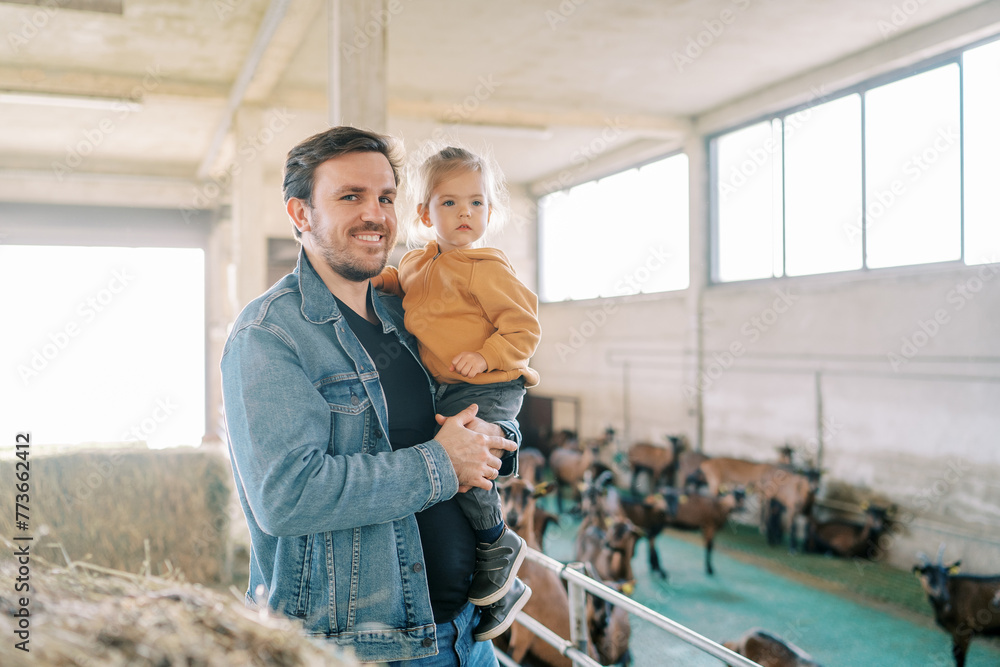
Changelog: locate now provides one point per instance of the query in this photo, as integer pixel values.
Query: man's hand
(469, 364)
(474, 447)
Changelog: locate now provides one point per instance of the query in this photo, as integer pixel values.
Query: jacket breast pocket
(344, 393)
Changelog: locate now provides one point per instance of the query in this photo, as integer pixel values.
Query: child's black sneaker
(500, 615)
(496, 566)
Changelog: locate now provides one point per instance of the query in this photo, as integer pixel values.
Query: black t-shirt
(447, 537)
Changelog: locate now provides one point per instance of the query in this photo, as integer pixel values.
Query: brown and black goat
(689, 475)
(964, 605)
(657, 461)
(794, 494)
(606, 538)
(570, 465)
(777, 487)
(687, 512)
(847, 539)
(530, 464)
(609, 627)
(549, 603)
(769, 650)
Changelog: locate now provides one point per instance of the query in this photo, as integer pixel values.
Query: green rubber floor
(841, 612)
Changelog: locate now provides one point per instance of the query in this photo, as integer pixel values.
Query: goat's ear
(954, 567)
(682, 498)
(865, 505)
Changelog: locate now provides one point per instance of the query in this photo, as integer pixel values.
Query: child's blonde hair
(440, 166)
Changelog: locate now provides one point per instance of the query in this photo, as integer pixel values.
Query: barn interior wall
(886, 379)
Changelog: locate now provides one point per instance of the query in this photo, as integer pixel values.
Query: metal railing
(576, 648)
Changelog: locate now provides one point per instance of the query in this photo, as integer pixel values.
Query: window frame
(952, 56)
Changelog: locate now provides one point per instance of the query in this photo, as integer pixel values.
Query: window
(873, 178)
(750, 202)
(912, 186)
(981, 67)
(822, 173)
(108, 344)
(629, 231)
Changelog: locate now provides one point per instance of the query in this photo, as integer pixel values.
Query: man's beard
(352, 267)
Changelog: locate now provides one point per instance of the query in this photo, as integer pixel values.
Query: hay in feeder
(82, 616)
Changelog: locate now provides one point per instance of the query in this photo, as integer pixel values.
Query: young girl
(477, 326)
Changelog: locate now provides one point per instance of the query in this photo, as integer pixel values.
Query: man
(348, 492)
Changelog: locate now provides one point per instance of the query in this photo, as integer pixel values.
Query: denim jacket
(329, 505)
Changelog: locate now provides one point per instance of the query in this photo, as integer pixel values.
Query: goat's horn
(940, 560)
(924, 560)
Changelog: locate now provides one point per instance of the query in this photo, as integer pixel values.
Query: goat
(795, 494)
(847, 539)
(793, 490)
(542, 520)
(606, 538)
(689, 475)
(722, 471)
(608, 626)
(657, 461)
(964, 605)
(554, 440)
(530, 463)
(570, 465)
(691, 512)
(549, 601)
(769, 650)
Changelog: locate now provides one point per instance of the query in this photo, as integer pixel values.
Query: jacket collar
(318, 303)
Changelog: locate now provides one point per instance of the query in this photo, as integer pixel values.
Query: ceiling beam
(298, 20)
(494, 116)
(117, 86)
(269, 26)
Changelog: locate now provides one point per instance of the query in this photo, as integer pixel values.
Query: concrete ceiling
(554, 79)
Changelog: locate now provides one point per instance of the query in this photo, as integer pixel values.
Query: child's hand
(469, 364)
(377, 281)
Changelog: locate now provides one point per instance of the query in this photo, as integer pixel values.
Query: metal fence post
(578, 633)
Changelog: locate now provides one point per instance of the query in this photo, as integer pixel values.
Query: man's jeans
(456, 647)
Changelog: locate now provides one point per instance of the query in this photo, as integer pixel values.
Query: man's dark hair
(307, 155)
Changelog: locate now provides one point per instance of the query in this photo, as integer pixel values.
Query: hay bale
(81, 618)
(103, 505)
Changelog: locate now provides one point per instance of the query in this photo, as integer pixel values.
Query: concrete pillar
(218, 315)
(357, 53)
(249, 229)
(698, 235)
